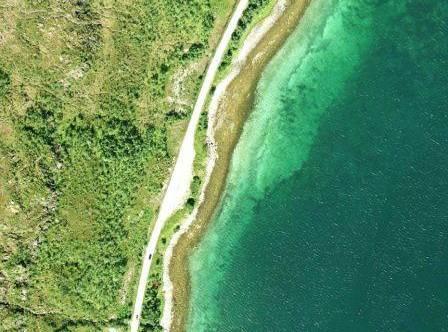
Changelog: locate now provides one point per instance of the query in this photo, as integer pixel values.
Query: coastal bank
(233, 109)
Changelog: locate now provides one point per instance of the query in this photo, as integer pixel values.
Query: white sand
(250, 43)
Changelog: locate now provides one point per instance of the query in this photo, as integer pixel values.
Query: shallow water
(335, 213)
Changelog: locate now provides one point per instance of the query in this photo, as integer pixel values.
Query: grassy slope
(84, 125)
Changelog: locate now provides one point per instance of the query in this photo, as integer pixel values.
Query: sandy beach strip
(229, 108)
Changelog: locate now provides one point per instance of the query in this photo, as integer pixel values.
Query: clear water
(335, 214)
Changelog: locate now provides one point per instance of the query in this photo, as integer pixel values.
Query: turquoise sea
(335, 212)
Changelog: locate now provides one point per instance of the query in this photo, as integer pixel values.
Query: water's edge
(231, 115)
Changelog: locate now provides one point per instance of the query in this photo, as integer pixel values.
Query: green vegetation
(94, 97)
(85, 129)
(153, 297)
(153, 301)
(255, 11)
(152, 304)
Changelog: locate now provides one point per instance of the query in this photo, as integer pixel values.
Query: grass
(153, 302)
(85, 129)
(256, 11)
(90, 121)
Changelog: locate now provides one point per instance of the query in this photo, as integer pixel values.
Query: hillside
(94, 98)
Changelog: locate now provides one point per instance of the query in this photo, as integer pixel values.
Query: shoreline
(178, 187)
(229, 108)
(250, 43)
